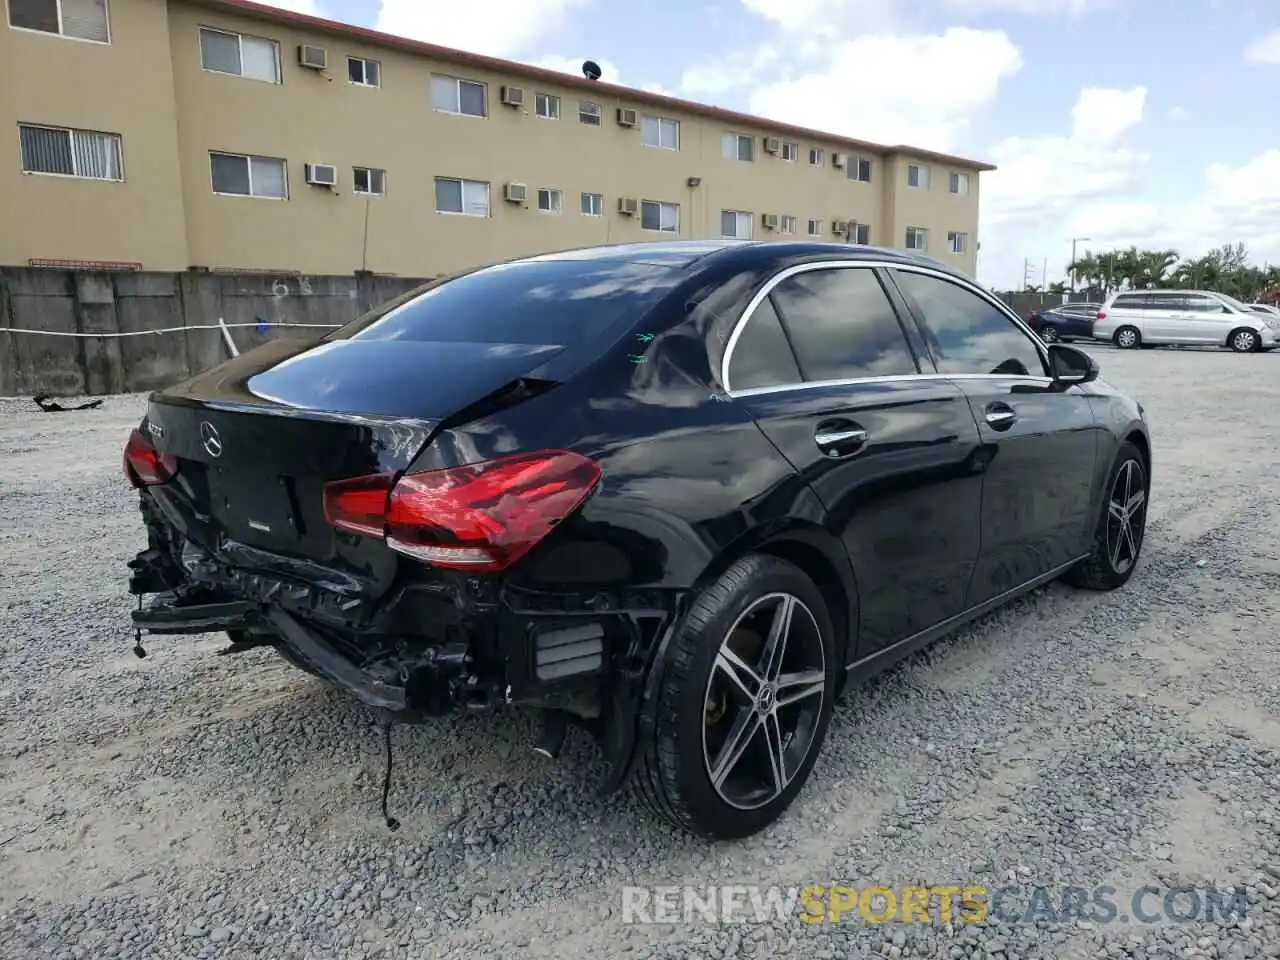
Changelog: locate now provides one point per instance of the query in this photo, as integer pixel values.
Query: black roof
(685, 253)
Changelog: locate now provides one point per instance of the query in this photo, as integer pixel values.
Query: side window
(842, 325)
(1134, 301)
(968, 334)
(762, 357)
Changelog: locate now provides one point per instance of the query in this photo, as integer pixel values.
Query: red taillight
(145, 466)
(481, 517)
(1102, 315)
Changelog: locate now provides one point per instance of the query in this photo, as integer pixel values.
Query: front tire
(1244, 340)
(1121, 528)
(1049, 334)
(748, 682)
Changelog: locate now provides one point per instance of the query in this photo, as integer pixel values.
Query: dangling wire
(392, 823)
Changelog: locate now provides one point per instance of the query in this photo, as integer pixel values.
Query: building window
(790, 152)
(662, 217)
(787, 224)
(735, 224)
(238, 175)
(589, 113)
(593, 204)
(371, 181)
(79, 19)
(816, 158)
(917, 238)
(815, 228)
(958, 242)
(859, 168)
(917, 176)
(70, 153)
(739, 147)
(550, 200)
(466, 98)
(468, 198)
(960, 184)
(254, 58)
(660, 132)
(860, 233)
(546, 106)
(364, 73)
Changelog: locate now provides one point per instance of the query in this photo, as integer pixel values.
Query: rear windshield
(532, 302)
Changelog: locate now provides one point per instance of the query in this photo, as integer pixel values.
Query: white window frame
(72, 132)
(488, 194)
(275, 46)
(787, 224)
(662, 205)
(552, 100)
(660, 123)
(957, 235)
(740, 217)
(364, 62)
(457, 97)
(585, 109)
(855, 162)
(368, 193)
(595, 203)
(106, 12)
(957, 177)
(248, 158)
(817, 157)
(555, 200)
(789, 151)
(855, 228)
(922, 176)
(920, 232)
(814, 227)
(737, 147)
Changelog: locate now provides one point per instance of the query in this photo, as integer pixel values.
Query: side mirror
(1068, 365)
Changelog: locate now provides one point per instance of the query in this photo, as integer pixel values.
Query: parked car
(683, 495)
(1068, 322)
(1266, 308)
(1150, 318)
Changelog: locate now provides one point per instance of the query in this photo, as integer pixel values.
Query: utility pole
(1074, 241)
(1028, 272)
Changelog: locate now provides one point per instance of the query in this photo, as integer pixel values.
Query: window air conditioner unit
(772, 145)
(321, 174)
(839, 227)
(626, 117)
(313, 58)
(838, 160)
(515, 193)
(770, 221)
(513, 96)
(628, 206)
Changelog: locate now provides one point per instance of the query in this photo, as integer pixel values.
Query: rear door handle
(1000, 416)
(840, 438)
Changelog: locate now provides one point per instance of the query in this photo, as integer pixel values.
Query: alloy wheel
(1126, 517)
(1126, 338)
(1049, 335)
(764, 701)
(1243, 341)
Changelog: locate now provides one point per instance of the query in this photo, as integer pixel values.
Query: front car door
(822, 361)
(1209, 320)
(1042, 438)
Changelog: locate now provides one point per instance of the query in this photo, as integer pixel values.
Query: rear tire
(1127, 338)
(1049, 334)
(720, 687)
(1244, 340)
(1115, 555)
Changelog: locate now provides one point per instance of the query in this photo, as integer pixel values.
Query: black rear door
(1042, 438)
(825, 367)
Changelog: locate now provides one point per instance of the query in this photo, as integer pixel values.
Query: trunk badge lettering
(209, 437)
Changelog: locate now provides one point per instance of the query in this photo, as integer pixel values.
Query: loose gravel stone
(189, 805)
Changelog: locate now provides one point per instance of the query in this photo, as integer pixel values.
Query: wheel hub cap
(1126, 516)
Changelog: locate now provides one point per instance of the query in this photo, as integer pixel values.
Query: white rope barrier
(145, 333)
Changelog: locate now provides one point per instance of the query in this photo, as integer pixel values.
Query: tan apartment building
(222, 134)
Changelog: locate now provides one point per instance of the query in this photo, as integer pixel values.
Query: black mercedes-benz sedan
(679, 494)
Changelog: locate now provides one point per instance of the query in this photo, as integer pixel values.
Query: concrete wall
(65, 301)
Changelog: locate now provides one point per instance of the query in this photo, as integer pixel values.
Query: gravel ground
(188, 805)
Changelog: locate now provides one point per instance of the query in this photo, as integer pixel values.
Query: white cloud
(1074, 8)
(497, 28)
(573, 65)
(938, 83)
(1265, 49)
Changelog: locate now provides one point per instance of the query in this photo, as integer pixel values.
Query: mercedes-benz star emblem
(209, 437)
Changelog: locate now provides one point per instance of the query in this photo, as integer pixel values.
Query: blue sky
(1124, 121)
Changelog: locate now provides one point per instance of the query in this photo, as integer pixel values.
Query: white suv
(1149, 318)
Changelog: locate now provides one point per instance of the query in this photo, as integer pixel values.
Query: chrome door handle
(1000, 419)
(839, 438)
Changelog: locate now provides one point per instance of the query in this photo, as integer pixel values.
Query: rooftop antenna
(591, 70)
